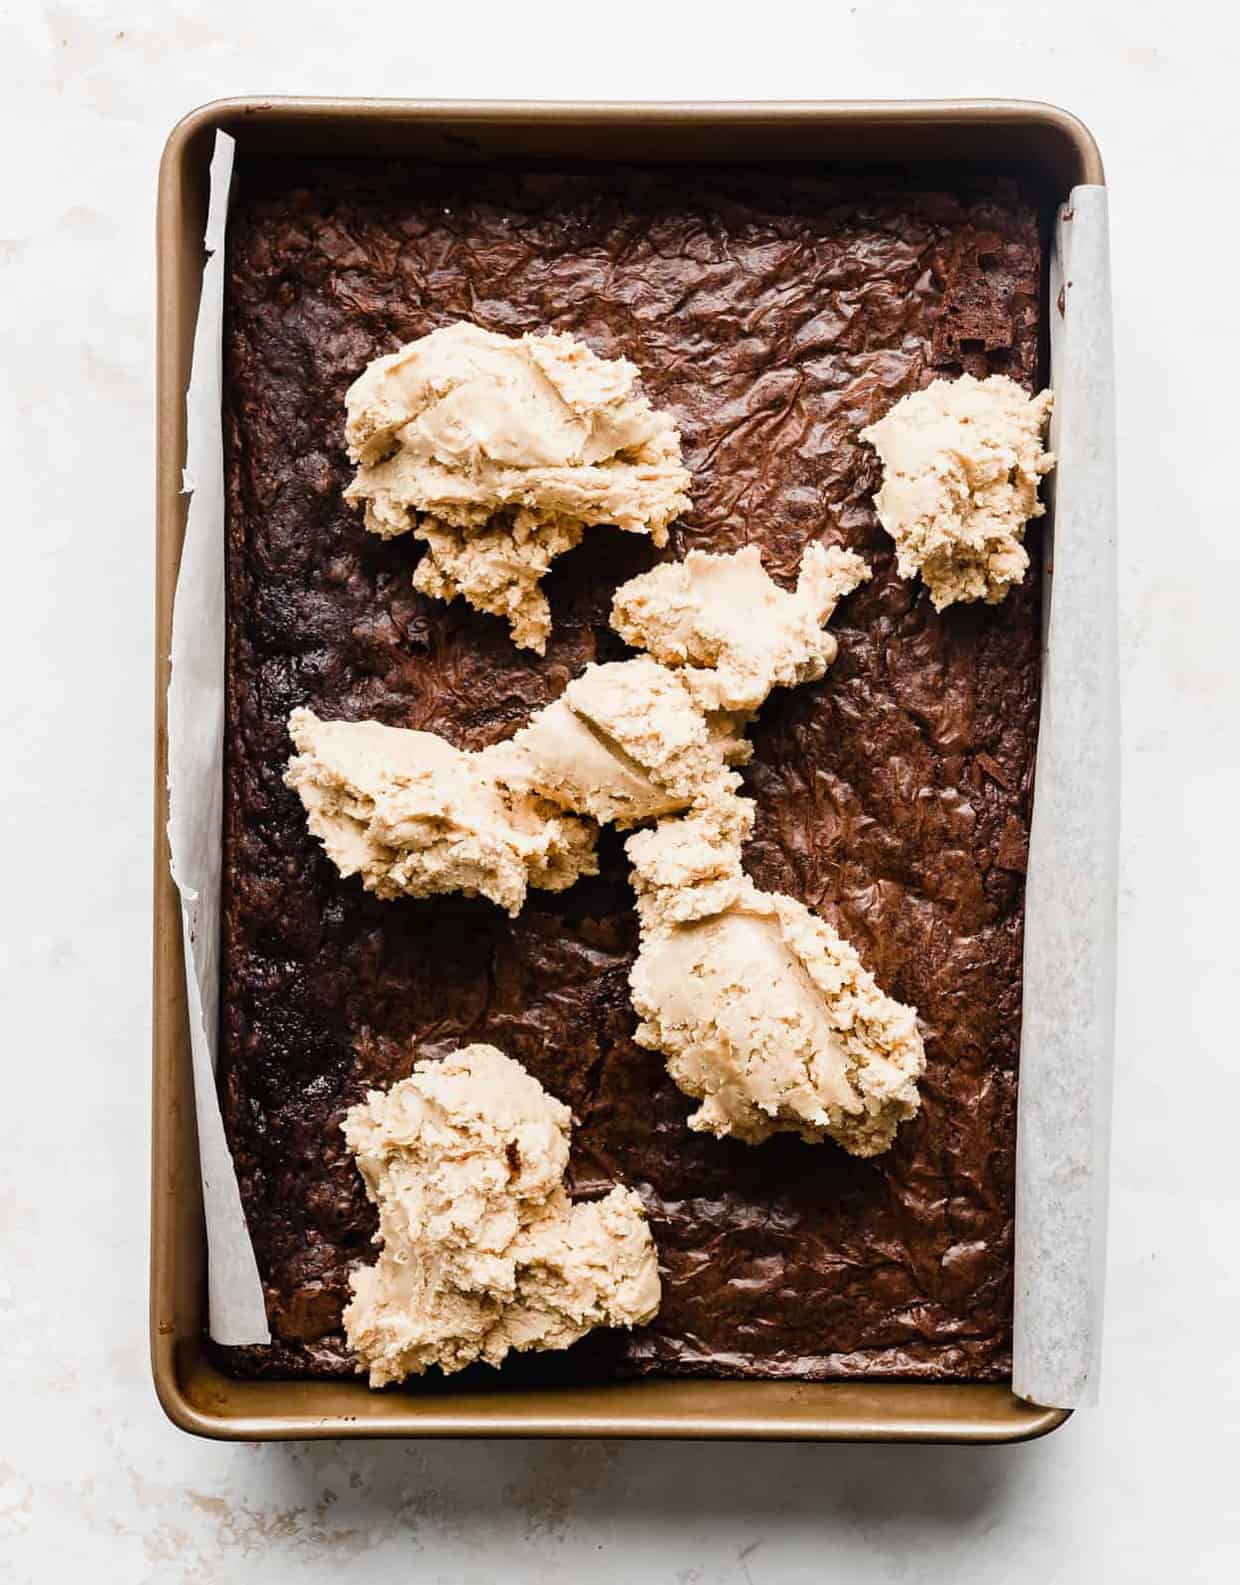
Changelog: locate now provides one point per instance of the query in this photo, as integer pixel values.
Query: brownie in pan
(774, 311)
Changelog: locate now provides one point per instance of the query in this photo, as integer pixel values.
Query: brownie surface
(775, 312)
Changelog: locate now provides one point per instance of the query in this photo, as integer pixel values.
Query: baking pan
(1058, 153)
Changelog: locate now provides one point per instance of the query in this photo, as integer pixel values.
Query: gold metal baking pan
(1049, 144)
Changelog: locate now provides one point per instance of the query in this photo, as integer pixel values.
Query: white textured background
(93, 1484)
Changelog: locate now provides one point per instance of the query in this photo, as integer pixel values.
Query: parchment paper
(1068, 1029)
(1064, 1095)
(236, 1313)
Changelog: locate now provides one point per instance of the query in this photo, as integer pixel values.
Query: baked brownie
(775, 312)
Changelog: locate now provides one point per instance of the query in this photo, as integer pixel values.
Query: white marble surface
(93, 1484)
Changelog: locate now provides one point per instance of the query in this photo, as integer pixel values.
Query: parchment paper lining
(1063, 1115)
(196, 785)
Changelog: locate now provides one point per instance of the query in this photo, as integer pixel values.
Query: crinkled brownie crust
(775, 311)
